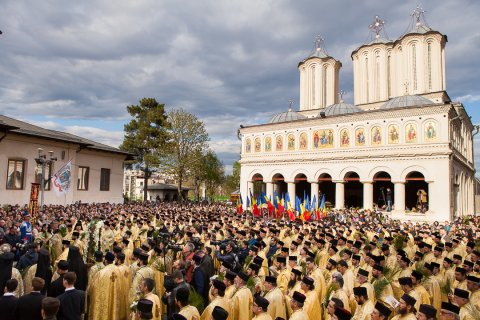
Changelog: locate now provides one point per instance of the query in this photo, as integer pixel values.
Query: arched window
(389, 88)
(366, 79)
(313, 85)
(377, 76)
(429, 64)
(324, 86)
(414, 66)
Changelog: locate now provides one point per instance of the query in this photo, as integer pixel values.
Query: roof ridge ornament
(290, 102)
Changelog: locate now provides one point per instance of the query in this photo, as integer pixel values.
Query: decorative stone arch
(275, 172)
(300, 171)
(360, 173)
(388, 170)
(322, 171)
(255, 172)
(420, 169)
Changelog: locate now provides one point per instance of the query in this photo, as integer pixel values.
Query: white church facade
(402, 139)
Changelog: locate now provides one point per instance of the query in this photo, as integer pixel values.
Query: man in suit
(30, 305)
(72, 301)
(8, 302)
(56, 287)
(50, 308)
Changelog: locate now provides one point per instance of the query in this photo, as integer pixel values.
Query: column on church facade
(269, 187)
(314, 191)
(399, 196)
(367, 194)
(339, 194)
(291, 191)
(250, 187)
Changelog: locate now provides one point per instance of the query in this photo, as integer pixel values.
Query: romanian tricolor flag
(314, 208)
(240, 205)
(270, 206)
(255, 210)
(290, 211)
(280, 207)
(323, 208)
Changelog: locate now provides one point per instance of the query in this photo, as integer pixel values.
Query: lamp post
(44, 162)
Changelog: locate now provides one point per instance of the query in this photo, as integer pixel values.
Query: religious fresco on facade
(258, 145)
(291, 142)
(430, 131)
(344, 138)
(376, 135)
(393, 134)
(279, 143)
(268, 144)
(411, 133)
(360, 137)
(323, 138)
(303, 141)
(248, 146)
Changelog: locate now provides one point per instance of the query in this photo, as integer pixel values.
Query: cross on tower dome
(377, 26)
(318, 42)
(418, 15)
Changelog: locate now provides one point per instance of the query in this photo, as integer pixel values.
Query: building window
(82, 180)
(377, 77)
(366, 80)
(414, 66)
(324, 85)
(47, 177)
(313, 85)
(429, 64)
(15, 174)
(104, 179)
(389, 88)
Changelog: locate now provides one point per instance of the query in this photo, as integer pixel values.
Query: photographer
(13, 238)
(228, 255)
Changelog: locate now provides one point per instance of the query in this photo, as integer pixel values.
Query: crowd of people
(157, 260)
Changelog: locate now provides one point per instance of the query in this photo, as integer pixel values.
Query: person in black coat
(29, 306)
(8, 302)
(44, 269)
(56, 287)
(72, 301)
(6, 263)
(76, 264)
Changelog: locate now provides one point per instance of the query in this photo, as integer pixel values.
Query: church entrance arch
(353, 190)
(258, 185)
(416, 192)
(302, 187)
(382, 183)
(279, 185)
(326, 187)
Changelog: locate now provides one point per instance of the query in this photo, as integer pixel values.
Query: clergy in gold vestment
(405, 309)
(218, 295)
(364, 306)
(146, 288)
(259, 309)
(296, 304)
(311, 304)
(143, 272)
(242, 299)
(274, 295)
(106, 290)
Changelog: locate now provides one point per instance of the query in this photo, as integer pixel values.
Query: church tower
(319, 80)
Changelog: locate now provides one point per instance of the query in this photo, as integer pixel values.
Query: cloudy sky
(76, 65)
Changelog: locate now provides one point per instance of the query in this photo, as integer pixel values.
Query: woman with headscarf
(76, 264)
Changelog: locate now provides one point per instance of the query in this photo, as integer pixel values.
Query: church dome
(341, 108)
(406, 101)
(286, 116)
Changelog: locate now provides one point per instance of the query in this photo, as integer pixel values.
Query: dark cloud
(229, 62)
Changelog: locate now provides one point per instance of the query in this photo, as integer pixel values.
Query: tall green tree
(211, 172)
(232, 181)
(188, 140)
(145, 135)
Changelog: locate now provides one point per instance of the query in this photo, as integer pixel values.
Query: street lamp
(44, 162)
